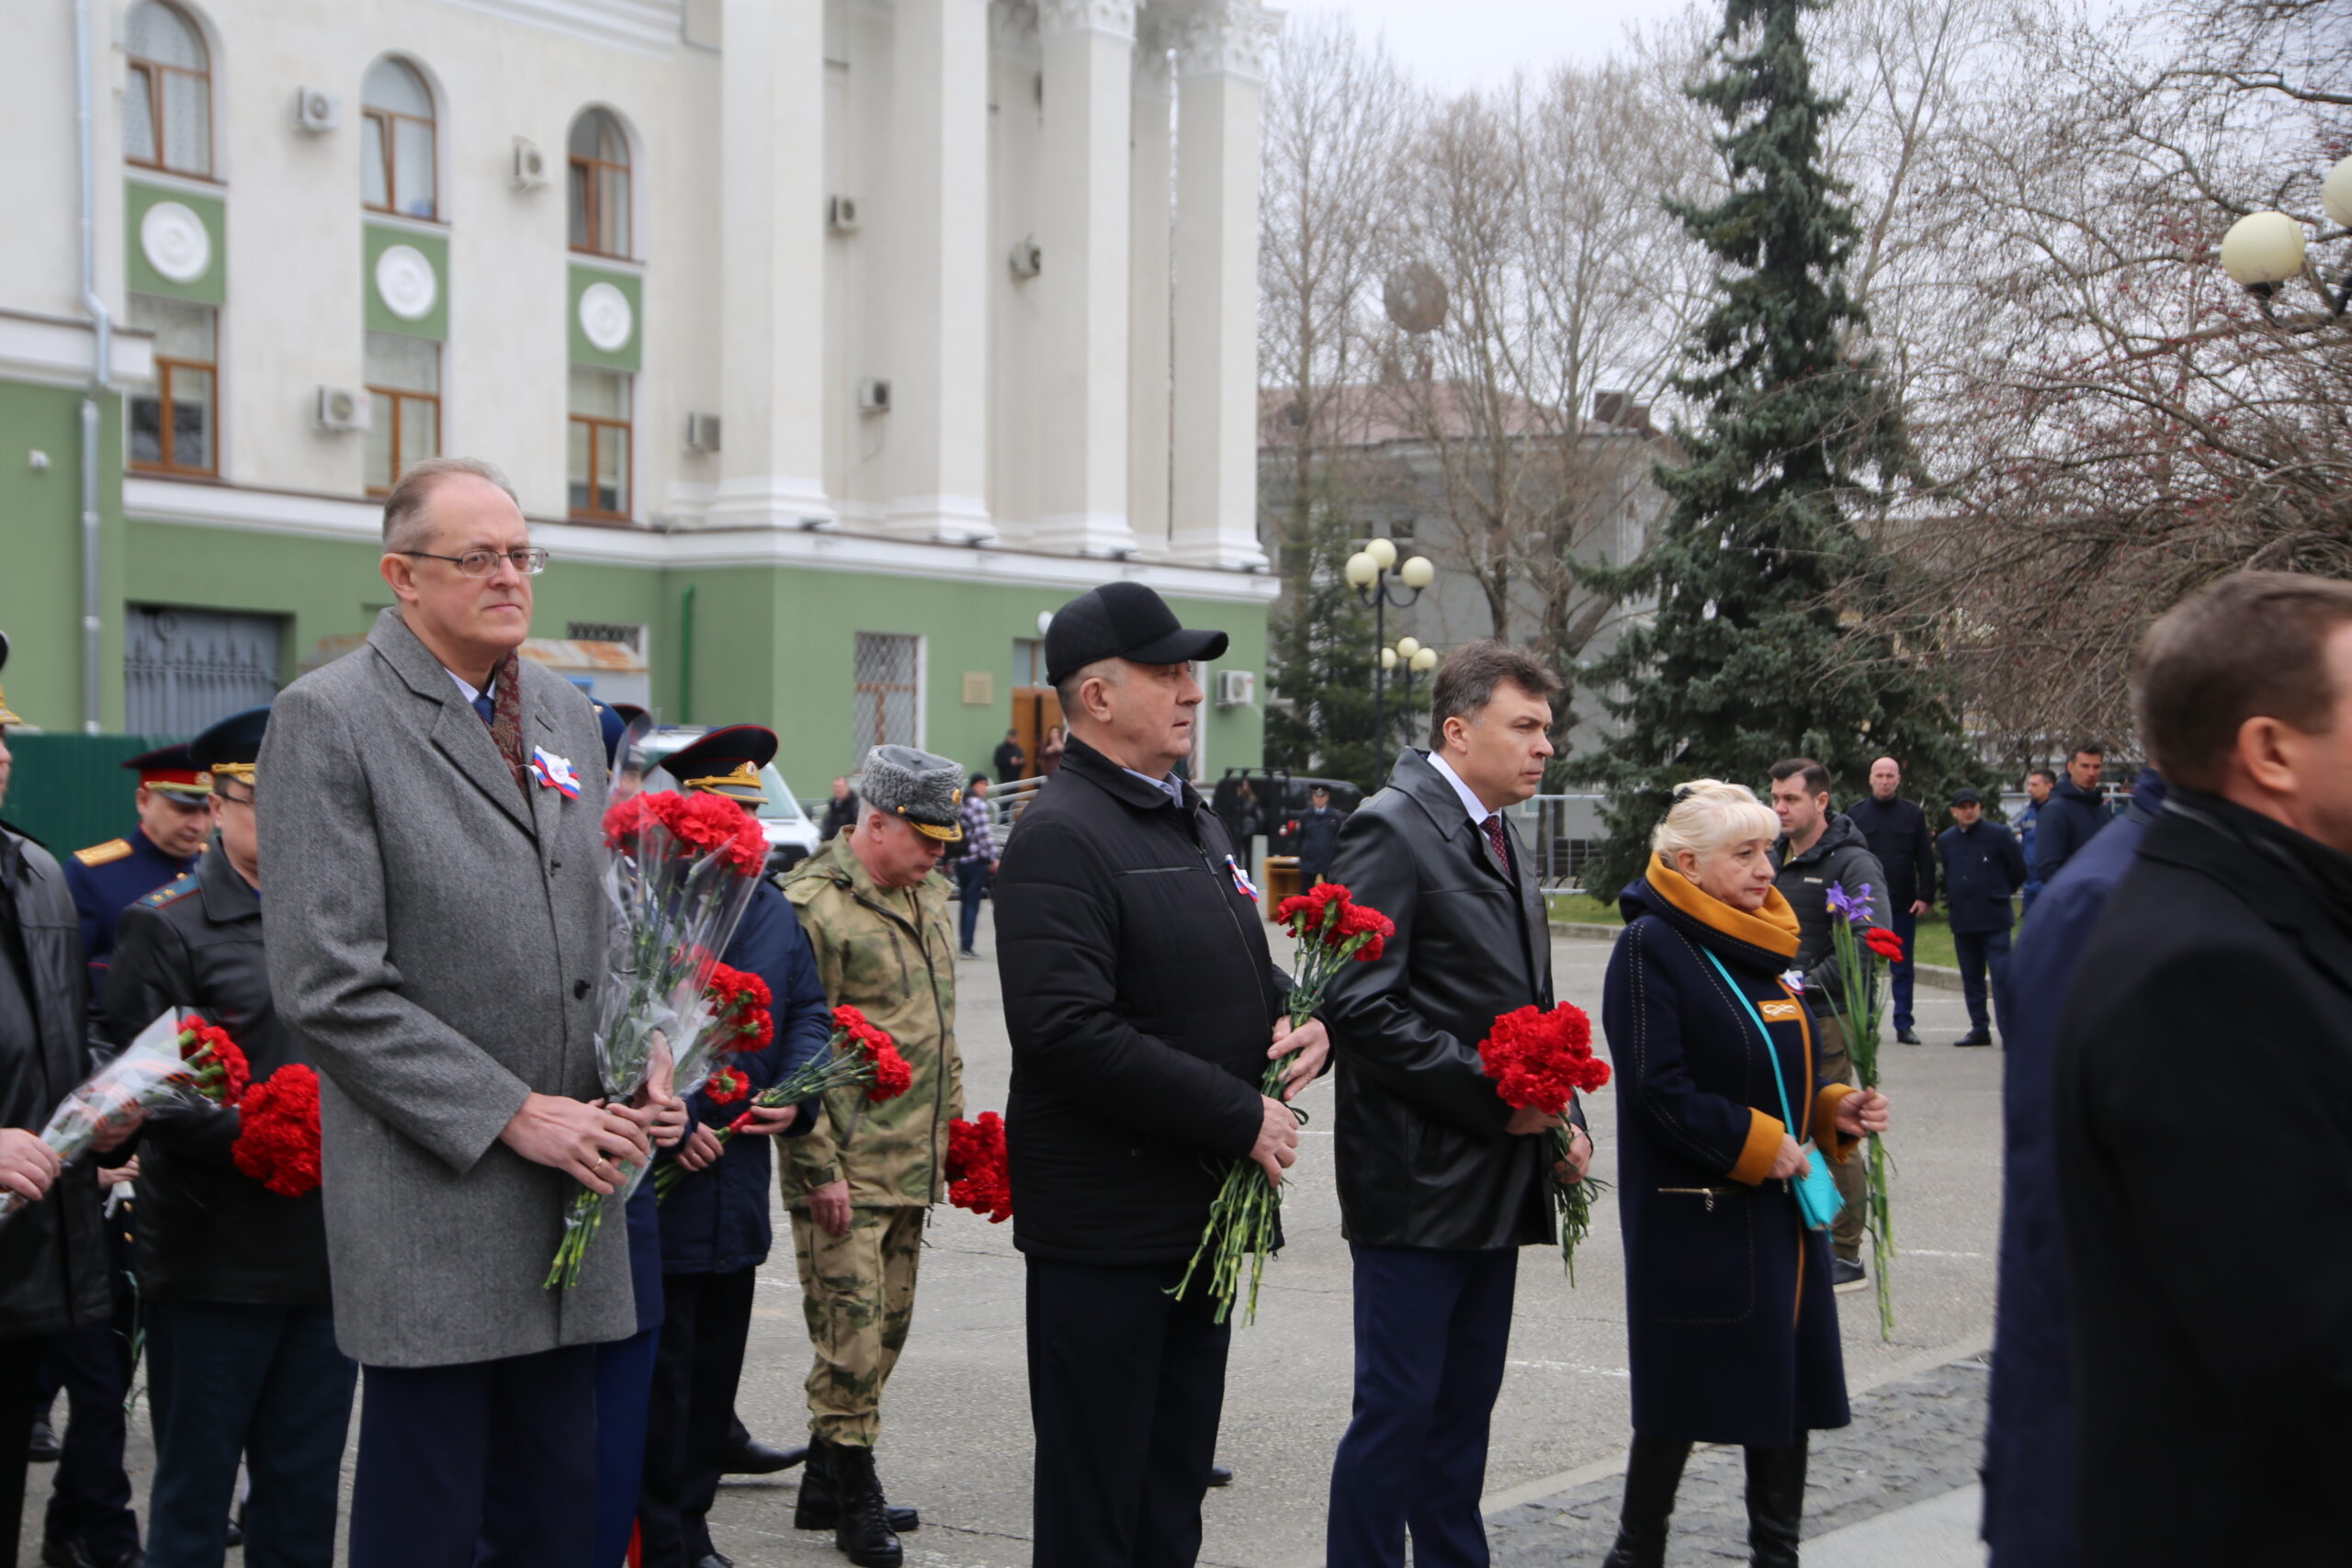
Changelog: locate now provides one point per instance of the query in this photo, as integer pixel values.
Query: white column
(1082, 191)
(1151, 204)
(770, 235)
(1220, 72)
(939, 237)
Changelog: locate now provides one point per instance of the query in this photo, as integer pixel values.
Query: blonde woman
(1732, 1326)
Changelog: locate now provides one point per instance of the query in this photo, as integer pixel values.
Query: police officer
(715, 1225)
(233, 1276)
(174, 822)
(862, 1181)
(1318, 840)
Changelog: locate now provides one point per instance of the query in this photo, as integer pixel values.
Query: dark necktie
(488, 710)
(1497, 842)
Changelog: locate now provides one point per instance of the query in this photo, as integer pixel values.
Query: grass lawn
(1583, 909)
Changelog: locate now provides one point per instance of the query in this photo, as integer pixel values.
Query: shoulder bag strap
(1771, 1053)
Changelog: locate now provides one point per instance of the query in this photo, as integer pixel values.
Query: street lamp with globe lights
(1369, 573)
(2264, 250)
(1408, 658)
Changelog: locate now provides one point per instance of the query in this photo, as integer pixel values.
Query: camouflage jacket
(890, 953)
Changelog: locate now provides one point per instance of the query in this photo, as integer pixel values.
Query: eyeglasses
(530, 562)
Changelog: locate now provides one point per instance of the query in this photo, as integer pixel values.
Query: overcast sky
(1456, 44)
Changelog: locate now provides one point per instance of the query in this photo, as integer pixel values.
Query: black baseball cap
(1966, 796)
(1121, 620)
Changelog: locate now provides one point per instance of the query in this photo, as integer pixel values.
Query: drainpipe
(102, 360)
(687, 655)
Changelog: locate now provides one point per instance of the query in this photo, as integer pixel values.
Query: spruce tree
(1321, 648)
(1758, 566)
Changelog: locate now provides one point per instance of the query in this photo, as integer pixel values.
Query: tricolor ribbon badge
(1241, 882)
(554, 773)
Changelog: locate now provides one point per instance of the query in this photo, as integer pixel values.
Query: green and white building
(830, 344)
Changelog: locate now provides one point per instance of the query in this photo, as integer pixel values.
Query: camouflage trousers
(857, 1292)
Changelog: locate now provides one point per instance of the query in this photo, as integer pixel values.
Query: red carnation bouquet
(277, 1136)
(1333, 930)
(977, 1176)
(176, 1060)
(679, 875)
(1543, 1060)
(857, 1054)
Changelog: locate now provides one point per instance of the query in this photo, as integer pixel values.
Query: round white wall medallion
(405, 283)
(605, 318)
(174, 242)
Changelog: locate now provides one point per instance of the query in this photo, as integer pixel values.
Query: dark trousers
(624, 1396)
(1900, 971)
(490, 1464)
(1979, 952)
(20, 1362)
(90, 1497)
(267, 1382)
(971, 886)
(1125, 1384)
(705, 1318)
(1432, 1330)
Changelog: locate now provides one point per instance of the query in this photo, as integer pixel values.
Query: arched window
(599, 185)
(167, 94)
(396, 150)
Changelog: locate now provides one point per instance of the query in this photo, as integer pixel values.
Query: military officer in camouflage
(861, 1183)
(175, 803)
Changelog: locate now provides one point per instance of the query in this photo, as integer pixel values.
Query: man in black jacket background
(2213, 1316)
(1984, 868)
(1897, 833)
(1143, 1007)
(1440, 1183)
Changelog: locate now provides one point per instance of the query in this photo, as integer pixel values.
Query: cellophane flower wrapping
(148, 1074)
(857, 1054)
(1332, 931)
(679, 873)
(1854, 929)
(1543, 1060)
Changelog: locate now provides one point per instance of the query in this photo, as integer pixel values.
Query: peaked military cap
(725, 762)
(927, 790)
(230, 748)
(173, 770)
(5, 716)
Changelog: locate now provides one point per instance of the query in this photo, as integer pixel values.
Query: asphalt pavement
(956, 1420)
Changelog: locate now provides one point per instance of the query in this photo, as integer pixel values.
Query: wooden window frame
(395, 397)
(155, 114)
(163, 368)
(590, 200)
(389, 133)
(595, 423)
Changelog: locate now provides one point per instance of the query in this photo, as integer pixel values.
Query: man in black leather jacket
(1440, 1183)
(232, 1277)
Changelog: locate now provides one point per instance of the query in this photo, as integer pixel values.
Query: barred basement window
(887, 676)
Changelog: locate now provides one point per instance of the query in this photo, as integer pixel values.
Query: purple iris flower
(1854, 911)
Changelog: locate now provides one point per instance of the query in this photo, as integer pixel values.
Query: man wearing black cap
(1983, 869)
(174, 822)
(1143, 1007)
(233, 1276)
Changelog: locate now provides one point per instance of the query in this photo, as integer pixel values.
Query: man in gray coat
(435, 934)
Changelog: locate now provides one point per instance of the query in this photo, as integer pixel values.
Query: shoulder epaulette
(104, 854)
(177, 888)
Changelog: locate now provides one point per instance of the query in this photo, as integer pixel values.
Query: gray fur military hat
(927, 790)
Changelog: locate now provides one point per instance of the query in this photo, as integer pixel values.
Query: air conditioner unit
(530, 164)
(873, 395)
(316, 109)
(841, 214)
(1026, 260)
(340, 409)
(1236, 688)
(702, 433)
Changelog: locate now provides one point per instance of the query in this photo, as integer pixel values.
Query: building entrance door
(1036, 709)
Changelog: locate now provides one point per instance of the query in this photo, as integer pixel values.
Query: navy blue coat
(1982, 866)
(1730, 1322)
(1898, 835)
(715, 1220)
(2030, 1434)
(2070, 818)
(105, 879)
(1318, 840)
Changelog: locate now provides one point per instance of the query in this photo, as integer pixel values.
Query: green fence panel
(71, 791)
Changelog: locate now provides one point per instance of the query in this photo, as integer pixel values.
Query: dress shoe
(1220, 1476)
(1974, 1037)
(1846, 1274)
(752, 1457)
(817, 1508)
(861, 1524)
(1906, 1037)
(715, 1559)
(44, 1442)
(73, 1554)
(236, 1534)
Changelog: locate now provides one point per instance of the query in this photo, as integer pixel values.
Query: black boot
(861, 1521)
(1653, 1475)
(1775, 1504)
(816, 1508)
